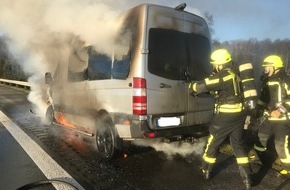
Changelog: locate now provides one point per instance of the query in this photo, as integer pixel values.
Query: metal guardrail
(16, 83)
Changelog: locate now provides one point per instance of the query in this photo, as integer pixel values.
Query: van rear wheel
(105, 138)
(49, 115)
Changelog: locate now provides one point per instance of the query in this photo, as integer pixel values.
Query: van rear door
(178, 53)
(166, 92)
(199, 108)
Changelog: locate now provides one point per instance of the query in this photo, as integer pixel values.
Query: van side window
(99, 65)
(121, 67)
(173, 53)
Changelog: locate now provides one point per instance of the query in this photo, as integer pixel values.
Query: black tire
(105, 138)
(50, 115)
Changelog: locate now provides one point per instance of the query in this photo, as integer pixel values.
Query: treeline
(9, 69)
(254, 51)
(243, 51)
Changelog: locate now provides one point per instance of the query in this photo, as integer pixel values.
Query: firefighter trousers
(280, 131)
(227, 125)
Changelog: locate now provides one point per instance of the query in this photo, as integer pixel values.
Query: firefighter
(229, 117)
(275, 105)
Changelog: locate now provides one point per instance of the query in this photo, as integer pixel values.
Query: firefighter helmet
(220, 57)
(273, 61)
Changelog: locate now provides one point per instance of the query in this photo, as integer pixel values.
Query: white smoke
(182, 148)
(39, 29)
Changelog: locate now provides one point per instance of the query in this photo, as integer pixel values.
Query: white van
(142, 93)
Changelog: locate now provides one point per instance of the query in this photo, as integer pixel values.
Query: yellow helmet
(220, 57)
(273, 61)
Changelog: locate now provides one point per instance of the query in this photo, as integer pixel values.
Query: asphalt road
(138, 168)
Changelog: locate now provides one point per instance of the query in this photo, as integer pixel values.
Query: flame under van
(142, 92)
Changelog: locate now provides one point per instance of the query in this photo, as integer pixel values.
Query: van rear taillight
(139, 96)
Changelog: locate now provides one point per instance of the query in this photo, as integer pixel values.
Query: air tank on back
(248, 85)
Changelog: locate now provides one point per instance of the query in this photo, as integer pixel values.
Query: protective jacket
(226, 90)
(228, 119)
(275, 94)
(275, 91)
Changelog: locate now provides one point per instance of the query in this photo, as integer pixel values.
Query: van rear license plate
(168, 121)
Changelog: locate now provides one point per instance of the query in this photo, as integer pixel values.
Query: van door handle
(162, 85)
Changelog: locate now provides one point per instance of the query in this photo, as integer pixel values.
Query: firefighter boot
(206, 170)
(245, 172)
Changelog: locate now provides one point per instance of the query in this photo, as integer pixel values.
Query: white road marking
(50, 168)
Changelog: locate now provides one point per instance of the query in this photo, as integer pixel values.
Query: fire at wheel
(105, 138)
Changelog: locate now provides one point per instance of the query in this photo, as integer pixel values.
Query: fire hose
(46, 182)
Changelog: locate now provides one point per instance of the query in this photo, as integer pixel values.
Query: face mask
(264, 76)
(218, 68)
(268, 71)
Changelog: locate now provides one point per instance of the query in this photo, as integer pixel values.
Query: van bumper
(134, 131)
(139, 129)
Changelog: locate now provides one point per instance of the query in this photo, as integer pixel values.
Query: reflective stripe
(261, 149)
(245, 66)
(209, 160)
(277, 119)
(286, 88)
(246, 80)
(243, 160)
(232, 76)
(214, 81)
(287, 159)
(226, 110)
(205, 157)
(250, 93)
(208, 142)
(229, 77)
(229, 108)
(194, 87)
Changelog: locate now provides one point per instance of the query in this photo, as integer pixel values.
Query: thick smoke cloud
(42, 34)
(40, 30)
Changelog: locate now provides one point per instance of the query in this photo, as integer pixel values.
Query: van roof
(194, 11)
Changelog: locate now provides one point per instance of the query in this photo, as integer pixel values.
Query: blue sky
(242, 19)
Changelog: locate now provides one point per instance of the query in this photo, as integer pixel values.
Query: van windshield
(177, 55)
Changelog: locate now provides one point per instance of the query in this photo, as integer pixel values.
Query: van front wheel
(105, 139)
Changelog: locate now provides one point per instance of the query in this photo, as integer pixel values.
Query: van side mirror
(48, 78)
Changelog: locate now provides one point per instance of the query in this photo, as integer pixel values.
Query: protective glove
(192, 87)
(276, 114)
